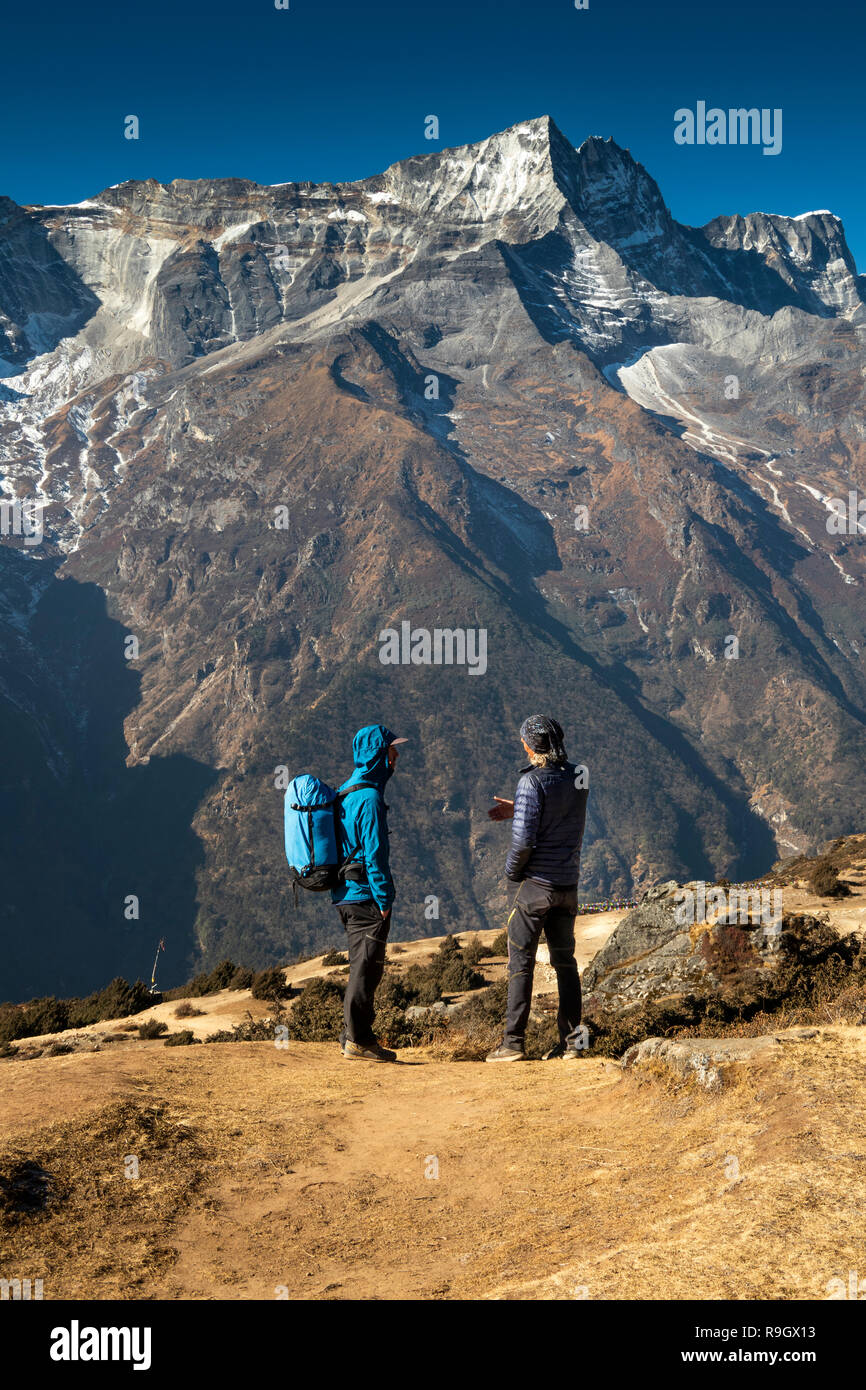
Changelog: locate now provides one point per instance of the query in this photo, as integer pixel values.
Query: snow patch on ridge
(231, 234)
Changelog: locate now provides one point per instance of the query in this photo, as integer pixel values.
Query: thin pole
(160, 947)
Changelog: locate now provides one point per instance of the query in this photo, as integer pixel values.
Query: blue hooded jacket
(364, 822)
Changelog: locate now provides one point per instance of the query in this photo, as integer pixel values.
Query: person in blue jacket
(365, 897)
(549, 814)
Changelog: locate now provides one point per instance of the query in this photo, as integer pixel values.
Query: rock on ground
(653, 956)
(708, 1060)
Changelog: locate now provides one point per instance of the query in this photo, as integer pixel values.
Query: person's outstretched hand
(504, 810)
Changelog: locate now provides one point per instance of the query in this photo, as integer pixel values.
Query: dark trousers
(367, 934)
(539, 907)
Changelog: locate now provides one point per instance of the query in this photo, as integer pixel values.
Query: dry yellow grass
(264, 1170)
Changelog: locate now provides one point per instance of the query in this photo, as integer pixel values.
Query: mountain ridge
(491, 417)
(555, 137)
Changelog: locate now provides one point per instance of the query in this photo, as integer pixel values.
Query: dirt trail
(294, 1173)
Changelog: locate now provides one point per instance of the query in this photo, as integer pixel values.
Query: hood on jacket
(370, 753)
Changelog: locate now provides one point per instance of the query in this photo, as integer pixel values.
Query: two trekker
(548, 814)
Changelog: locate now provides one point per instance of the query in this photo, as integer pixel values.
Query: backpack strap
(361, 787)
(341, 795)
(357, 787)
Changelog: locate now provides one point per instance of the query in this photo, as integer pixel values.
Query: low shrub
(390, 1025)
(153, 1028)
(425, 988)
(118, 1000)
(50, 1015)
(241, 979)
(610, 1035)
(474, 1029)
(226, 975)
(826, 883)
(456, 976)
(474, 951)
(47, 1016)
(270, 984)
(335, 957)
(251, 1030)
(447, 972)
(186, 1010)
(183, 1039)
(317, 1013)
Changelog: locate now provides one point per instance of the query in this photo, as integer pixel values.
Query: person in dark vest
(549, 815)
(364, 901)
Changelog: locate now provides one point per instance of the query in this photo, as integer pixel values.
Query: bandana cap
(543, 735)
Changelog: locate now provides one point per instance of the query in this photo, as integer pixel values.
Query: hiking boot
(562, 1052)
(367, 1052)
(506, 1052)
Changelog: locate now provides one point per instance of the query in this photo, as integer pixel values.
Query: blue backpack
(312, 830)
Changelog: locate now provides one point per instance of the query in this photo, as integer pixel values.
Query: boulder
(654, 957)
(440, 1007)
(422, 1010)
(657, 891)
(708, 1060)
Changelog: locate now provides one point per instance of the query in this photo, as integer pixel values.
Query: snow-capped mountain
(497, 386)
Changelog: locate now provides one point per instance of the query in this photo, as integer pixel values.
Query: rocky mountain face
(497, 387)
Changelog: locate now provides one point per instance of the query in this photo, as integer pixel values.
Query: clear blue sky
(335, 90)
